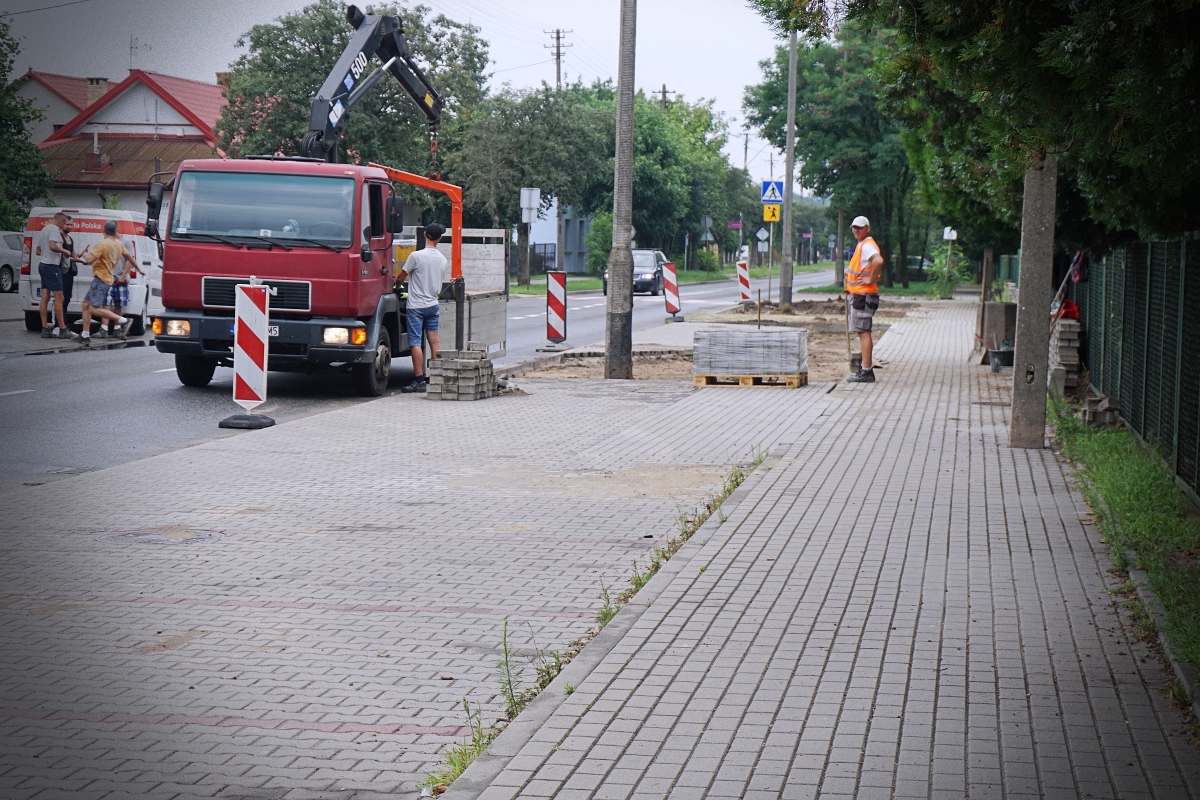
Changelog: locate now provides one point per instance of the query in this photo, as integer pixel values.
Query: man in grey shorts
(862, 293)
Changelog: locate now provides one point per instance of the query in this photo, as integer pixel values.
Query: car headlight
(336, 335)
(649, 277)
(179, 327)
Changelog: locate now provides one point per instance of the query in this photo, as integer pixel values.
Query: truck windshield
(262, 205)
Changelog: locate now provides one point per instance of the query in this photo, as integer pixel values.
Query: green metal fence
(1008, 268)
(1140, 309)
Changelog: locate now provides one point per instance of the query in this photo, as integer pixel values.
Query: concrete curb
(1184, 673)
(487, 767)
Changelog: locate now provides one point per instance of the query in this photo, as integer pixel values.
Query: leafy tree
(24, 172)
(555, 140)
(271, 87)
(1110, 86)
(849, 147)
(598, 242)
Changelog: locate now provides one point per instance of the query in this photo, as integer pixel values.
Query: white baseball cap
(860, 222)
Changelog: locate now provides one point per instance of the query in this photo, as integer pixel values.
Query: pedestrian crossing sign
(770, 213)
(772, 191)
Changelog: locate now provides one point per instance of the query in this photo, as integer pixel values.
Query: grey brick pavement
(271, 615)
(904, 607)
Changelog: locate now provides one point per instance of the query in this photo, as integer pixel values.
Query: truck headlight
(179, 327)
(336, 335)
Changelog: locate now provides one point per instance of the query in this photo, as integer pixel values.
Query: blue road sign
(772, 191)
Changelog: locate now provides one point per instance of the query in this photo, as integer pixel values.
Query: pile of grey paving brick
(461, 375)
(1064, 350)
(1100, 410)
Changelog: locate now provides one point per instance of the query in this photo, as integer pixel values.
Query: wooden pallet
(785, 381)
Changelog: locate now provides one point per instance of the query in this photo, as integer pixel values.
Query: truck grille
(289, 295)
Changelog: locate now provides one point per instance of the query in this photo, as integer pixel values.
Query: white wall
(138, 110)
(56, 110)
(131, 199)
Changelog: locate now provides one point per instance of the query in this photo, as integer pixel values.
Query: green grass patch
(757, 273)
(459, 756)
(915, 288)
(1139, 507)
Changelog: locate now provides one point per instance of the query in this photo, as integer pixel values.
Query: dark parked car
(647, 272)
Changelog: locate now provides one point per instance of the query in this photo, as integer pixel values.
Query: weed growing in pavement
(549, 663)
(459, 756)
(607, 611)
(1176, 694)
(510, 677)
(687, 523)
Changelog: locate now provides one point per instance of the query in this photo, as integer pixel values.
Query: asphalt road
(75, 411)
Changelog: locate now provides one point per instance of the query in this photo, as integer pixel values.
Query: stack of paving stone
(1064, 350)
(730, 352)
(461, 375)
(1100, 410)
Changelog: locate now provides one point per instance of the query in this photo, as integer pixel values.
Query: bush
(947, 275)
(708, 261)
(597, 243)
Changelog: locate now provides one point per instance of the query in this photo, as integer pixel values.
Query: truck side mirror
(154, 201)
(395, 214)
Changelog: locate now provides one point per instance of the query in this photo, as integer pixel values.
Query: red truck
(318, 233)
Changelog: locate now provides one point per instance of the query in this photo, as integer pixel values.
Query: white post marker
(251, 310)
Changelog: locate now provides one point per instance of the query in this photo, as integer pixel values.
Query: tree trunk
(618, 333)
(523, 254)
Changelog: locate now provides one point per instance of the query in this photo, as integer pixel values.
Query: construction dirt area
(824, 320)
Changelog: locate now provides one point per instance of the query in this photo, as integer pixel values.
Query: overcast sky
(699, 48)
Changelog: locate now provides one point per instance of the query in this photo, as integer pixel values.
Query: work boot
(46, 333)
(863, 376)
(417, 386)
(64, 333)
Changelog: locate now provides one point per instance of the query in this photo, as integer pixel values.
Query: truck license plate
(272, 330)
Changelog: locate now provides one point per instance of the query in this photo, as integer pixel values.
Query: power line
(510, 69)
(43, 8)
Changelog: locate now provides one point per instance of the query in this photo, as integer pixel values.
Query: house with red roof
(59, 97)
(112, 145)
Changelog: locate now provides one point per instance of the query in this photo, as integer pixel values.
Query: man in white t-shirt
(48, 251)
(424, 270)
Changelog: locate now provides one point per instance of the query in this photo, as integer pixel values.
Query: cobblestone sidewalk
(299, 612)
(903, 607)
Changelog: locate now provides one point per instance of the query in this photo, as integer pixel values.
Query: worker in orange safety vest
(862, 289)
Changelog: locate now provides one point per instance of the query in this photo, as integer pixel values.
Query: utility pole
(558, 48)
(839, 276)
(746, 154)
(785, 268)
(618, 332)
(1032, 357)
(665, 92)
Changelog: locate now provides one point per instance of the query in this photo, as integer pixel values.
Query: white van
(145, 283)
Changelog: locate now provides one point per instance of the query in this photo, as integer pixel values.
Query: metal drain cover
(167, 534)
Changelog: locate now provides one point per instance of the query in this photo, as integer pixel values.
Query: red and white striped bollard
(556, 307)
(251, 309)
(743, 273)
(671, 289)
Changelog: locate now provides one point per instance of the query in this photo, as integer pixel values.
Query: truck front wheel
(371, 377)
(194, 370)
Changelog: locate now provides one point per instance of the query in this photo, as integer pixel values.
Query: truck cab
(320, 235)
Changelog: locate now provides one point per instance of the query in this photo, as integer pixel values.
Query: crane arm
(349, 82)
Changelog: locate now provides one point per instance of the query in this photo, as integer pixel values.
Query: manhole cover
(163, 535)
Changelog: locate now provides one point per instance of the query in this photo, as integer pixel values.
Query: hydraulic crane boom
(349, 82)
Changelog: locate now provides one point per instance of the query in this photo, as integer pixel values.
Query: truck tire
(194, 370)
(371, 378)
(33, 321)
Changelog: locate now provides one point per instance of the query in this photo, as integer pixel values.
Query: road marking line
(18, 391)
(168, 369)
